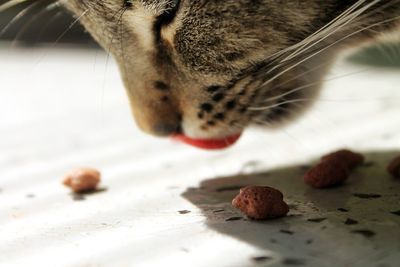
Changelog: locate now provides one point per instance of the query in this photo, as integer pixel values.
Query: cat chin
(217, 134)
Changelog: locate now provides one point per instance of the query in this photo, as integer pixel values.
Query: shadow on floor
(357, 224)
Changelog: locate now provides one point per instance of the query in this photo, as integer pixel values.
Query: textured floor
(166, 204)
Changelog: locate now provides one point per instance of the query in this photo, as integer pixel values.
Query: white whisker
(315, 83)
(340, 22)
(327, 47)
(50, 7)
(11, 4)
(18, 16)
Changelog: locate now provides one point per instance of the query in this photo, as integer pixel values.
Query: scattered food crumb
(260, 202)
(82, 180)
(286, 232)
(234, 219)
(293, 261)
(316, 220)
(366, 233)
(184, 211)
(309, 241)
(394, 167)
(397, 212)
(366, 196)
(217, 211)
(185, 250)
(261, 258)
(343, 210)
(350, 221)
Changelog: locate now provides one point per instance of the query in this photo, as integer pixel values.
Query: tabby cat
(206, 69)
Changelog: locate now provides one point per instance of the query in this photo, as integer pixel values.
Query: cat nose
(156, 109)
(158, 118)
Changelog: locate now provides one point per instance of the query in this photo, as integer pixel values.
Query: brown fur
(202, 70)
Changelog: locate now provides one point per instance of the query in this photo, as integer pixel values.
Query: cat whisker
(280, 104)
(308, 57)
(75, 22)
(50, 21)
(18, 16)
(11, 3)
(269, 124)
(300, 47)
(120, 12)
(325, 34)
(334, 26)
(48, 8)
(315, 83)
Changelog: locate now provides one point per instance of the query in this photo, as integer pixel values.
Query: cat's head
(207, 69)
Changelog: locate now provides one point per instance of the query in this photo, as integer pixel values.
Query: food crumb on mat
(261, 258)
(343, 210)
(184, 212)
(397, 212)
(234, 219)
(82, 180)
(367, 196)
(283, 231)
(350, 221)
(316, 220)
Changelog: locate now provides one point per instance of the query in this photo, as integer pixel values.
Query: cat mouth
(208, 144)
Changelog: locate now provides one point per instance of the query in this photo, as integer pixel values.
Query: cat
(207, 69)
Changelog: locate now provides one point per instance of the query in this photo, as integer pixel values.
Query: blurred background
(42, 22)
(63, 106)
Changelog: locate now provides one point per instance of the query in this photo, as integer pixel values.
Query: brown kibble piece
(394, 167)
(82, 180)
(350, 158)
(328, 173)
(260, 202)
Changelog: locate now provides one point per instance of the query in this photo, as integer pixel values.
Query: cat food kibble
(82, 180)
(261, 202)
(350, 158)
(327, 173)
(334, 169)
(394, 167)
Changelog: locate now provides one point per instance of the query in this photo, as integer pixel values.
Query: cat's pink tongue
(210, 144)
